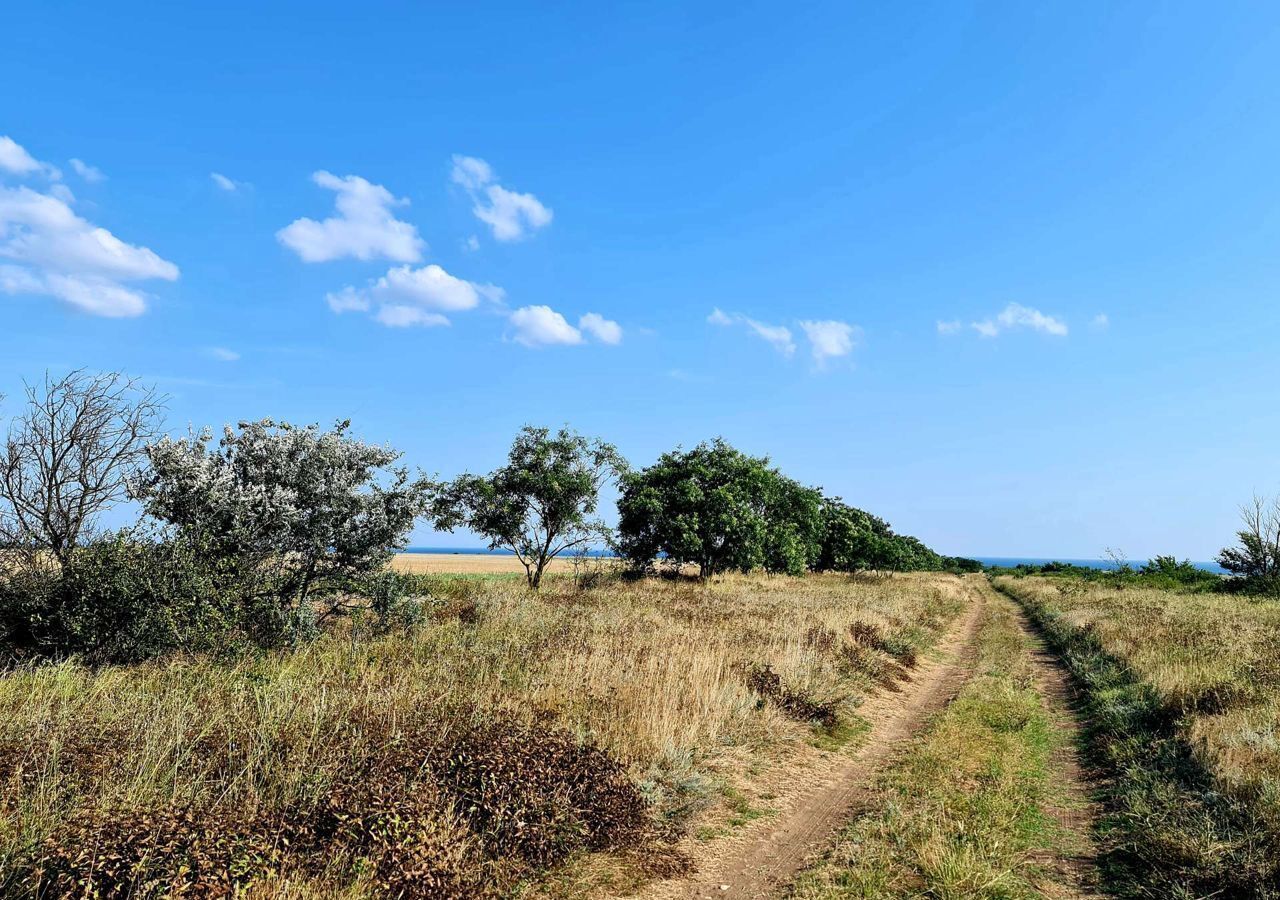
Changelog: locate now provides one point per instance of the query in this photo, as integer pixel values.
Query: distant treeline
(260, 537)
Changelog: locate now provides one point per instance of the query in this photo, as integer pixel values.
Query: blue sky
(1035, 245)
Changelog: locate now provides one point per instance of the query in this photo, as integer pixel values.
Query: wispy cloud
(1016, 316)
(91, 174)
(1101, 322)
(778, 336)
(222, 354)
(230, 185)
(511, 216)
(952, 326)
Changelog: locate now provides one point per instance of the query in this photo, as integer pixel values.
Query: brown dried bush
(795, 703)
(447, 810)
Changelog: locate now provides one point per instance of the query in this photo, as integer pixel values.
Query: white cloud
(470, 172)
(399, 315)
(16, 160)
(222, 354)
(1015, 315)
(56, 253)
(91, 174)
(541, 326)
(225, 183)
(348, 299)
(777, 335)
(472, 243)
(430, 286)
(606, 331)
(364, 228)
(952, 326)
(1101, 322)
(829, 339)
(429, 290)
(510, 215)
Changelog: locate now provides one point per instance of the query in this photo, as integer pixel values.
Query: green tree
(854, 540)
(1256, 556)
(793, 530)
(286, 513)
(541, 503)
(709, 506)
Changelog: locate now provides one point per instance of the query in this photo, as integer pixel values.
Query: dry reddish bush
(448, 810)
(540, 795)
(157, 853)
(795, 703)
(864, 634)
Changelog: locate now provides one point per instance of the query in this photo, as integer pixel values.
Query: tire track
(765, 857)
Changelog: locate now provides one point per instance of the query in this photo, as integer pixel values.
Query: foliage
(1256, 557)
(450, 810)
(283, 512)
(793, 527)
(119, 598)
(69, 457)
(541, 503)
(707, 506)
(854, 540)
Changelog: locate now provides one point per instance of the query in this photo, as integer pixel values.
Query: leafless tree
(69, 456)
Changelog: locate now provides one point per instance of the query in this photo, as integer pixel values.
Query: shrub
(284, 513)
(449, 809)
(795, 703)
(120, 598)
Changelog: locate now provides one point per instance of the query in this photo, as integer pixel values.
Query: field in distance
(476, 564)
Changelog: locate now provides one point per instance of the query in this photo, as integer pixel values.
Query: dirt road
(761, 859)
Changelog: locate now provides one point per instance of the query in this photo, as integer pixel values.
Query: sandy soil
(472, 564)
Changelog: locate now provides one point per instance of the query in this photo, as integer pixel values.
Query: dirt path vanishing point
(1074, 865)
(763, 858)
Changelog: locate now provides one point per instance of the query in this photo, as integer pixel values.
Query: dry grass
(1185, 697)
(1212, 658)
(653, 672)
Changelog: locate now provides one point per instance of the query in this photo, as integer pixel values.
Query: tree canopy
(286, 509)
(541, 503)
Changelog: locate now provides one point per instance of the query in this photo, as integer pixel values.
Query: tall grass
(653, 673)
(1184, 705)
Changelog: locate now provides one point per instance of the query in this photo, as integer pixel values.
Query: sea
(1010, 561)
(1104, 564)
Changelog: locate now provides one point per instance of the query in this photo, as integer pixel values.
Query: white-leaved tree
(288, 513)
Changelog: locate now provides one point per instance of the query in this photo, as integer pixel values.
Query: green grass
(1182, 699)
(961, 813)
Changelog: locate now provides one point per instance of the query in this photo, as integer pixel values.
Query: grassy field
(1183, 703)
(564, 741)
(965, 811)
